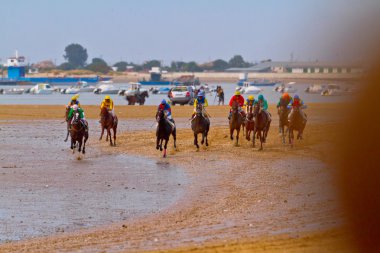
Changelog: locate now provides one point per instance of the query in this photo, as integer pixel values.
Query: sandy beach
(235, 199)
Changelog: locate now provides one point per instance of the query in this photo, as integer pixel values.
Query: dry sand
(238, 199)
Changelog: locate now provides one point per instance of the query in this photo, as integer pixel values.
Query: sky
(173, 30)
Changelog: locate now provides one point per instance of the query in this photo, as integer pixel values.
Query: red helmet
(285, 95)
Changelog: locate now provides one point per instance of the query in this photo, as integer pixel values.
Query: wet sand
(237, 198)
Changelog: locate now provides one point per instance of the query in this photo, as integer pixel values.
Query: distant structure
(299, 67)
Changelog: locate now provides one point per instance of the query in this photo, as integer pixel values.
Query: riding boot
(229, 116)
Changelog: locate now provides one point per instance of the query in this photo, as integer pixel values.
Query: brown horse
(261, 125)
(296, 123)
(137, 99)
(236, 122)
(108, 122)
(78, 134)
(163, 132)
(249, 122)
(200, 125)
(283, 113)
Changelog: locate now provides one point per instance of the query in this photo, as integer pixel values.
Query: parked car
(181, 95)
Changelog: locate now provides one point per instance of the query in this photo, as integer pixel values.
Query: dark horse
(296, 123)
(78, 134)
(236, 121)
(108, 122)
(137, 99)
(283, 113)
(262, 123)
(200, 125)
(164, 130)
(249, 123)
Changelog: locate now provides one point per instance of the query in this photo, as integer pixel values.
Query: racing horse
(296, 123)
(200, 124)
(108, 122)
(249, 123)
(283, 113)
(137, 98)
(236, 122)
(261, 125)
(78, 134)
(163, 132)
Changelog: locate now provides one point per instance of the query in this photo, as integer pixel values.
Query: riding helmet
(237, 93)
(107, 97)
(296, 97)
(261, 97)
(163, 101)
(251, 97)
(201, 93)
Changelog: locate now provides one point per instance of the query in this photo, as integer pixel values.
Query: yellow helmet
(251, 97)
(237, 92)
(107, 97)
(75, 97)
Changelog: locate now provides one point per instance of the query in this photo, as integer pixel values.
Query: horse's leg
(231, 133)
(101, 135)
(114, 135)
(196, 140)
(206, 138)
(72, 145)
(283, 133)
(109, 134)
(84, 143)
(157, 143)
(174, 133)
(67, 135)
(165, 146)
(261, 135)
(80, 145)
(254, 137)
(203, 138)
(161, 144)
(291, 136)
(237, 137)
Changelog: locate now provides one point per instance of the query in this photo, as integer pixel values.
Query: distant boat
(249, 89)
(132, 89)
(106, 89)
(315, 88)
(289, 88)
(14, 91)
(42, 89)
(333, 90)
(155, 78)
(257, 83)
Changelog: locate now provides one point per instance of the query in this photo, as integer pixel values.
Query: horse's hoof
(206, 144)
(160, 149)
(232, 138)
(157, 147)
(202, 142)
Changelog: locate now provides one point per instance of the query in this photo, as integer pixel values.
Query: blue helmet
(201, 93)
(163, 101)
(296, 97)
(261, 97)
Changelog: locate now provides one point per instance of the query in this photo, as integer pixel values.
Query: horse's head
(235, 106)
(145, 93)
(256, 109)
(199, 109)
(75, 119)
(249, 112)
(160, 115)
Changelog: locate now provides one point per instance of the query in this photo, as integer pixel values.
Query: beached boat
(14, 91)
(42, 89)
(106, 89)
(315, 88)
(289, 88)
(249, 89)
(332, 90)
(257, 83)
(133, 89)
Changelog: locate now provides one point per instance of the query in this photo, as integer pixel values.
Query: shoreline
(224, 196)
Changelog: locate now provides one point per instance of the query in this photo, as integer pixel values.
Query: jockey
(76, 109)
(297, 102)
(239, 98)
(285, 100)
(168, 111)
(264, 105)
(74, 101)
(249, 102)
(108, 103)
(201, 99)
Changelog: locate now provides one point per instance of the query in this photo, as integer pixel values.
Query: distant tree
(66, 66)
(121, 66)
(192, 67)
(98, 65)
(219, 65)
(177, 66)
(153, 63)
(237, 62)
(76, 55)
